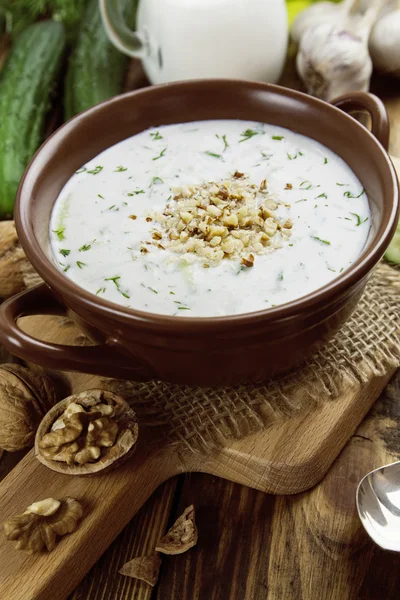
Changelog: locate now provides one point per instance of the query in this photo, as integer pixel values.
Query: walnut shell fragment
(145, 568)
(16, 272)
(36, 530)
(87, 433)
(25, 397)
(182, 536)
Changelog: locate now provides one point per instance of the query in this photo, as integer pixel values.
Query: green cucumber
(26, 84)
(96, 68)
(393, 252)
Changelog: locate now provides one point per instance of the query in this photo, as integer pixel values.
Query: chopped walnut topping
(230, 219)
(248, 261)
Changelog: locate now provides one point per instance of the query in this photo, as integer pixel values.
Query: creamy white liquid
(98, 246)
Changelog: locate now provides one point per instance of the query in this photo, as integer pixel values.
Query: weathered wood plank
(104, 582)
(306, 547)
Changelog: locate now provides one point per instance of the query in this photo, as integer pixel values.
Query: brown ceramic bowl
(204, 351)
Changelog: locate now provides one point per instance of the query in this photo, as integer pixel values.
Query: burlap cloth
(200, 419)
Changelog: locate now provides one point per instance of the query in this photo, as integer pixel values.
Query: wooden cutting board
(286, 458)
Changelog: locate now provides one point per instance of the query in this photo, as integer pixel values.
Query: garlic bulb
(321, 12)
(386, 7)
(384, 43)
(333, 60)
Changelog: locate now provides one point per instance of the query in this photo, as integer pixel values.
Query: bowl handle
(107, 359)
(374, 106)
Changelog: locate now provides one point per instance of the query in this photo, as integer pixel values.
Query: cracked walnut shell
(86, 433)
(25, 397)
(145, 568)
(182, 536)
(39, 525)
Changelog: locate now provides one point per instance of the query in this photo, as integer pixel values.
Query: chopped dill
(86, 247)
(136, 192)
(294, 156)
(350, 195)
(96, 170)
(162, 153)
(156, 135)
(306, 185)
(321, 240)
(156, 180)
(247, 134)
(60, 233)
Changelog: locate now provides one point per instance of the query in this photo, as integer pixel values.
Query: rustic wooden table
(254, 546)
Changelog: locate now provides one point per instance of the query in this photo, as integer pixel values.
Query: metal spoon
(378, 505)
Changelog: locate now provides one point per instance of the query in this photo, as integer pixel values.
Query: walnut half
(40, 524)
(86, 433)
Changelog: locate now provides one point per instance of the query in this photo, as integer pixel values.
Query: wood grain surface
(287, 457)
(254, 546)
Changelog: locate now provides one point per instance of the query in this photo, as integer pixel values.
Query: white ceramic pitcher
(188, 39)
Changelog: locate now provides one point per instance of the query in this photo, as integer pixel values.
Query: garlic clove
(386, 7)
(332, 61)
(384, 44)
(321, 12)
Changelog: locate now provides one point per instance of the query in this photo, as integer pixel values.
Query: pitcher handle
(129, 42)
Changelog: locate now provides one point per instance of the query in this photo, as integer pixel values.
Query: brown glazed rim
(185, 325)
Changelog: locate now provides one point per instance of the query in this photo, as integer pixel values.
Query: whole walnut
(16, 272)
(25, 397)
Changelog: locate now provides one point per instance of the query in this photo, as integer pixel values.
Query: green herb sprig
(327, 242)
(115, 280)
(350, 195)
(156, 135)
(248, 134)
(156, 180)
(162, 153)
(96, 170)
(60, 233)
